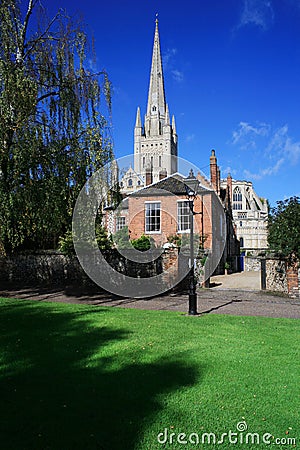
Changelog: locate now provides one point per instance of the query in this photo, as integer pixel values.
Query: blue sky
(232, 79)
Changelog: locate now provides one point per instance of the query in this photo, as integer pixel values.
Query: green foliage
(103, 241)
(65, 244)
(284, 228)
(143, 243)
(121, 238)
(53, 133)
(183, 241)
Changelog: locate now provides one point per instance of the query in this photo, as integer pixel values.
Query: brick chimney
(218, 180)
(229, 187)
(214, 170)
(148, 175)
(162, 174)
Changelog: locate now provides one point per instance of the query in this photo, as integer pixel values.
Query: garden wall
(252, 263)
(54, 268)
(47, 267)
(282, 276)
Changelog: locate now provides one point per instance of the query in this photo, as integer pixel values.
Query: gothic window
(183, 216)
(237, 198)
(159, 161)
(130, 182)
(152, 217)
(143, 161)
(139, 183)
(241, 242)
(151, 161)
(154, 108)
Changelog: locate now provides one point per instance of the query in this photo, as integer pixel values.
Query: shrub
(104, 242)
(121, 238)
(143, 243)
(65, 243)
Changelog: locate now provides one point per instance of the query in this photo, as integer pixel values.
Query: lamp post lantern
(191, 187)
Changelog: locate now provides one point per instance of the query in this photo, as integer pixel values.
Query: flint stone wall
(252, 263)
(276, 276)
(283, 276)
(55, 268)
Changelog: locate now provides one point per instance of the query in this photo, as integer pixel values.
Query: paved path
(242, 280)
(210, 301)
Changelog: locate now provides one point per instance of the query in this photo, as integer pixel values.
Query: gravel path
(210, 301)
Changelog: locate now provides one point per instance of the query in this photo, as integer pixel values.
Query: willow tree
(54, 131)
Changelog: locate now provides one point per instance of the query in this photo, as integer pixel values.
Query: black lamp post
(191, 187)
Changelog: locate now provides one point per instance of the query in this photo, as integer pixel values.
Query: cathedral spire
(156, 95)
(155, 140)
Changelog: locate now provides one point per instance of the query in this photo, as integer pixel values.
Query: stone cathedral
(155, 158)
(155, 140)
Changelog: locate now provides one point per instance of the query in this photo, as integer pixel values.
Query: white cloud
(168, 57)
(177, 75)
(245, 129)
(283, 144)
(169, 64)
(274, 147)
(257, 12)
(271, 170)
(190, 137)
(227, 170)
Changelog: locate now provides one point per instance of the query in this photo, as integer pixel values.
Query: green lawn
(82, 377)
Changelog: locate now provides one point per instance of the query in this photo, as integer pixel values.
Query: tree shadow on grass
(54, 396)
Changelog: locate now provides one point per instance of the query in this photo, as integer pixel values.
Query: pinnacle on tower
(138, 122)
(173, 125)
(167, 120)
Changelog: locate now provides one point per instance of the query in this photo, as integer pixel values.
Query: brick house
(161, 210)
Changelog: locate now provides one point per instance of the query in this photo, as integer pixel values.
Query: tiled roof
(171, 185)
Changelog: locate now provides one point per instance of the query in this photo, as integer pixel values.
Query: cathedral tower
(155, 142)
